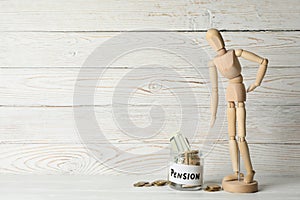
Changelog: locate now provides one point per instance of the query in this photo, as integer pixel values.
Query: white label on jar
(185, 174)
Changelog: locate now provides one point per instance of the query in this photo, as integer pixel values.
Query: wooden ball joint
(227, 63)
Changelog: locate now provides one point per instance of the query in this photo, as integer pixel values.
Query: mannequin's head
(215, 39)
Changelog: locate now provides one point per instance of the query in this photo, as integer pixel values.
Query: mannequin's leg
(243, 146)
(233, 146)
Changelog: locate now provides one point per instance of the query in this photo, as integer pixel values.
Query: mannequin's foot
(233, 177)
(249, 177)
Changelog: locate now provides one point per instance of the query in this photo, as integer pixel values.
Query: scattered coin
(154, 183)
(160, 182)
(148, 185)
(140, 184)
(213, 188)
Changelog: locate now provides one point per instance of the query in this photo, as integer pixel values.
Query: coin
(159, 182)
(193, 151)
(148, 185)
(189, 186)
(213, 188)
(191, 157)
(140, 184)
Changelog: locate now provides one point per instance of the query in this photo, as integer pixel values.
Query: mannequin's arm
(262, 68)
(213, 74)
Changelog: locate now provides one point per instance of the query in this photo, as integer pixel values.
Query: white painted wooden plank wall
(43, 44)
(115, 15)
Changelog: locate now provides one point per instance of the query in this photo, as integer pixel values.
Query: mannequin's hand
(212, 121)
(252, 87)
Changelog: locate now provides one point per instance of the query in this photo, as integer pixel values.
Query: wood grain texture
(64, 187)
(55, 87)
(56, 125)
(116, 15)
(74, 159)
(100, 187)
(52, 49)
(44, 44)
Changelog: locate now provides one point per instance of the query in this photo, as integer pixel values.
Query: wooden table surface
(120, 187)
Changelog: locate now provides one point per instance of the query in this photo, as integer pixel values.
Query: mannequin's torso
(229, 66)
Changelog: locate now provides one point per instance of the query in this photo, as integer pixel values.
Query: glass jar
(186, 170)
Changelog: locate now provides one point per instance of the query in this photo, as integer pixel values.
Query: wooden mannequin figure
(227, 63)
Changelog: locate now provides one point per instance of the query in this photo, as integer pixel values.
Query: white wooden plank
(117, 15)
(31, 49)
(55, 87)
(75, 159)
(120, 187)
(56, 125)
(35, 49)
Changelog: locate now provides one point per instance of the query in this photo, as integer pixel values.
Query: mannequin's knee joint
(231, 104)
(232, 138)
(241, 104)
